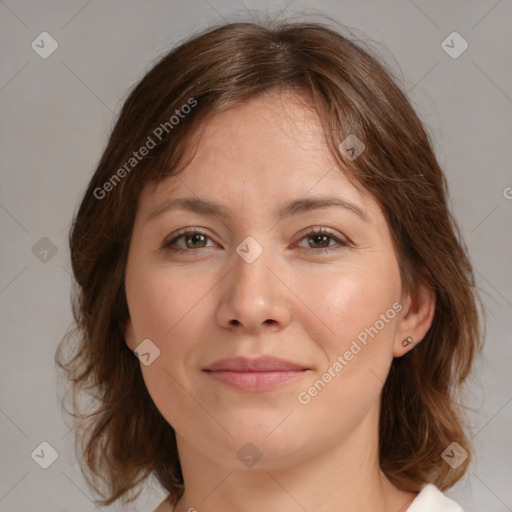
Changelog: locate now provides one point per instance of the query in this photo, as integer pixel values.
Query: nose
(252, 296)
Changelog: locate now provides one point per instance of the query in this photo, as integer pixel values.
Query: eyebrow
(206, 207)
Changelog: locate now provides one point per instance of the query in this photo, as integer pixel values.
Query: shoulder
(431, 499)
(165, 506)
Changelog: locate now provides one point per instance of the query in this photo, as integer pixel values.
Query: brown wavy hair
(120, 436)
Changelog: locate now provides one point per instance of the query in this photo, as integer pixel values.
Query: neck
(340, 476)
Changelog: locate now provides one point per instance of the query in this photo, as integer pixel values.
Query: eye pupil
(319, 239)
(196, 238)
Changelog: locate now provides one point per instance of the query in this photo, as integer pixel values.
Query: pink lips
(256, 374)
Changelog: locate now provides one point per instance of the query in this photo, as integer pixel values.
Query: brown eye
(188, 241)
(193, 239)
(320, 240)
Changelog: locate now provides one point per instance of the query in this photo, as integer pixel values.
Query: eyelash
(168, 245)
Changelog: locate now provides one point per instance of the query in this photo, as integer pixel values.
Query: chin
(269, 441)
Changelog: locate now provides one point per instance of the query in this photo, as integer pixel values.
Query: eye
(192, 238)
(189, 240)
(322, 238)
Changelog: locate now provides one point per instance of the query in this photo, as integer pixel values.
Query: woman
(268, 232)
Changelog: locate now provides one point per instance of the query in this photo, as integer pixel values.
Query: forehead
(267, 149)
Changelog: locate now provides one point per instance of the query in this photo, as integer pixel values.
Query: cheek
(163, 307)
(160, 301)
(343, 304)
(174, 311)
(355, 320)
(358, 312)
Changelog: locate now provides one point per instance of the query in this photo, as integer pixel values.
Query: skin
(293, 301)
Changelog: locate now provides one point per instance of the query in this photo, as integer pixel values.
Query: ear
(417, 315)
(129, 335)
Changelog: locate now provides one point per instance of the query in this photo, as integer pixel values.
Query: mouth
(257, 374)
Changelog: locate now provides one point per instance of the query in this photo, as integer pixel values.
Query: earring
(407, 341)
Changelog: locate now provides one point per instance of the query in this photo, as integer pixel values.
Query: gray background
(56, 114)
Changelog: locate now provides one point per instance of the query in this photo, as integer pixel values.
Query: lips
(255, 374)
(259, 364)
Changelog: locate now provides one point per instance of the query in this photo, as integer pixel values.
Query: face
(276, 318)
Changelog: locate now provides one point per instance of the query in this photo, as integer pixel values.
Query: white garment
(430, 499)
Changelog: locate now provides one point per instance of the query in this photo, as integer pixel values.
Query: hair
(122, 438)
